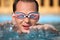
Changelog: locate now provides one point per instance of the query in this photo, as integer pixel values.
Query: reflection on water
(7, 33)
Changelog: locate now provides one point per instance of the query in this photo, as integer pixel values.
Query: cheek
(19, 21)
(33, 21)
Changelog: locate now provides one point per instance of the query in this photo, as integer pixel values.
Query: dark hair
(16, 1)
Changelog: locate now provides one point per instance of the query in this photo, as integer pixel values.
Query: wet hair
(16, 1)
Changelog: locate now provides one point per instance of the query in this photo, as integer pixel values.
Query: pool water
(7, 33)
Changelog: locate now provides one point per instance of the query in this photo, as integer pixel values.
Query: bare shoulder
(45, 26)
(49, 25)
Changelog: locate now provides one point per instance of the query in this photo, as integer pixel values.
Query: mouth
(26, 27)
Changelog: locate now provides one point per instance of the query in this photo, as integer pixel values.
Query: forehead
(26, 7)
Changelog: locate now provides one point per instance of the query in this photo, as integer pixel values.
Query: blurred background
(49, 11)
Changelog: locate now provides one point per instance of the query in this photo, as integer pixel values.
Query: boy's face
(25, 15)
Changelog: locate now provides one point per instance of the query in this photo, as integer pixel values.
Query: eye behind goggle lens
(32, 16)
(20, 16)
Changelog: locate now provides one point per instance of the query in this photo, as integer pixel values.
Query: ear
(38, 18)
(13, 19)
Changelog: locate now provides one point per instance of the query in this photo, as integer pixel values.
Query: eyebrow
(35, 12)
(17, 12)
(29, 13)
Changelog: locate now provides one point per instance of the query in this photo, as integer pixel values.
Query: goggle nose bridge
(27, 16)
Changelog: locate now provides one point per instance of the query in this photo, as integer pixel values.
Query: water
(1, 34)
(7, 33)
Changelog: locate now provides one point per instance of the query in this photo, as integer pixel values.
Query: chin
(25, 31)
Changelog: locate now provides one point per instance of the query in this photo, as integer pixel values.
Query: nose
(27, 20)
